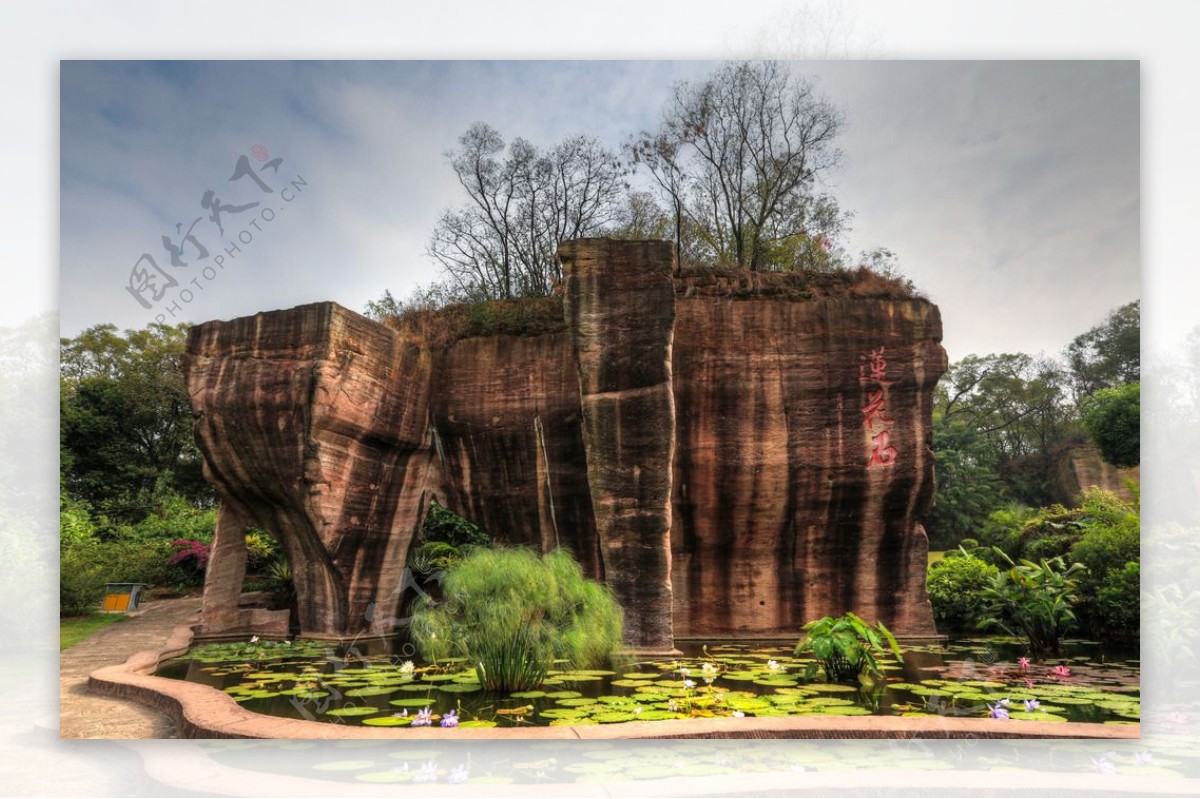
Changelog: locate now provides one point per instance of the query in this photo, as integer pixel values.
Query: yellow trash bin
(121, 597)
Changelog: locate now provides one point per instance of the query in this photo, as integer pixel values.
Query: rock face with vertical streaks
(733, 453)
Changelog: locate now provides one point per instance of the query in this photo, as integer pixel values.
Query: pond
(974, 677)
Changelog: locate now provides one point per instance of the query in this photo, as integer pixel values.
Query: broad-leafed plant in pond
(847, 647)
(513, 613)
(1036, 599)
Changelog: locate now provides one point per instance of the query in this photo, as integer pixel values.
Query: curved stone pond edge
(200, 711)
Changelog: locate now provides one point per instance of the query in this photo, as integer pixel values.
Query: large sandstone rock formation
(734, 454)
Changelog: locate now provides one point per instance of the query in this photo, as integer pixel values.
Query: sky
(1009, 190)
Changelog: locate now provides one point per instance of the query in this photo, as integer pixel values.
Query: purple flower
(458, 775)
(424, 718)
(997, 711)
(1032, 705)
(450, 719)
(428, 772)
(1142, 758)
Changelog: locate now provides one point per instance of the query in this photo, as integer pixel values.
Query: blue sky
(1009, 190)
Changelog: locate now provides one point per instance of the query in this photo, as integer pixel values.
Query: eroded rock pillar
(226, 571)
(620, 309)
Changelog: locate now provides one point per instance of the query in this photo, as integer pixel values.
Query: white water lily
(407, 667)
(773, 665)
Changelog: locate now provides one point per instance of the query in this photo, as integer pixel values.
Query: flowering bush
(189, 560)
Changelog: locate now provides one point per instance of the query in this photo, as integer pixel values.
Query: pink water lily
(1062, 671)
(1023, 662)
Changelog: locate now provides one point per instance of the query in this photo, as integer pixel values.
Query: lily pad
(371, 691)
(385, 776)
(343, 765)
(528, 694)
(477, 723)
(388, 721)
(460, 687)
(563, 694)
(563, 713)
(614, 717)
(1034, 715)
(352, 711)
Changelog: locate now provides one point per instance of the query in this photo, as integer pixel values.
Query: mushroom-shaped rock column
(619, 302)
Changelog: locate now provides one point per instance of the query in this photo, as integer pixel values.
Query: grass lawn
(74, 629)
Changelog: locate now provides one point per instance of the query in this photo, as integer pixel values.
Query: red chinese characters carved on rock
(872, 373)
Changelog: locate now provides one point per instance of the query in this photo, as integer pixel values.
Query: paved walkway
(85, 715)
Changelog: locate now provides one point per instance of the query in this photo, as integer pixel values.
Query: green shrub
(1003, 530)
(81, 580)
(260, 550)
(1112, 417)
(846, 647)
(145, 562)
(956, 586)
(280, 583)
(512, 613)
(1036, 599)
(1117, 606)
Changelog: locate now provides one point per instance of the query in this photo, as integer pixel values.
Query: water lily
(1003, 703)
(672, 706)
(403, 714)
(689, 683)
(1032, 705)
(737, 714)
(683, 671)
(254, 639)
(1142, 758)
(997, 711)
(1104, 765)
(424, 718)
(1023, 662)
(773, 665)
(637, 711)
(1062, 671)
(450, 719)
(407, 667)
(428, 772)
(458, 775)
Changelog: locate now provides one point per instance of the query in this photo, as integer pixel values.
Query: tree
(522, 203)
(968, 487)
(1108, 354)
(126, 420)
(738, 157)
(1112, 417)
(1017, 408)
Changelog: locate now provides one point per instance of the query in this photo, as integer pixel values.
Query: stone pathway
(85, 715)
